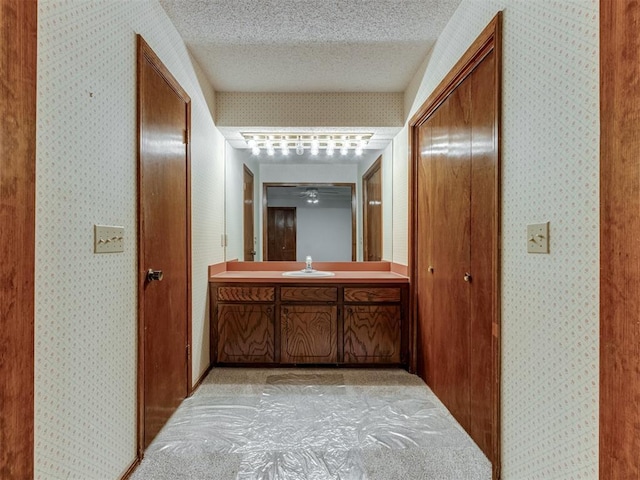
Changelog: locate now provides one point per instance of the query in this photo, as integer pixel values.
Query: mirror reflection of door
(247, 185)
(281, 234)
(372, 214)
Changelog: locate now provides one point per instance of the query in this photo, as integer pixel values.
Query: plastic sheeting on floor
(309, 426)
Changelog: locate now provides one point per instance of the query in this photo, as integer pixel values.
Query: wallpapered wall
(550, 161)
(86, 334)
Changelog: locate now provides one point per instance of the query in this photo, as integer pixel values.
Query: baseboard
(202, 377)
(131, 468)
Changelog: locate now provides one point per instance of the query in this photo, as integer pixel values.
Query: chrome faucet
(308, 267)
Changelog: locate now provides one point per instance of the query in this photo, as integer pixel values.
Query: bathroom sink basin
(312, 273)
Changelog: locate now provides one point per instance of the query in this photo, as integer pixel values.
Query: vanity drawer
(246, 294)
(309, 294)
(360, 294)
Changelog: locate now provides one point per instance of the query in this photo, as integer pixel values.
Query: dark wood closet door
(281, 234)
(455, 252)
(451, 193)
(483, 253)
(426, 359)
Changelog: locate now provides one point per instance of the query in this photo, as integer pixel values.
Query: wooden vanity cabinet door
(372, 334)
(246, 333)
(309, 334)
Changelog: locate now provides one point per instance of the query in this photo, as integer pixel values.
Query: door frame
(247, 171)
(18, 28)
(619, 393)
(489, 40)
(145, 53)
(377, 165)
(309, 184)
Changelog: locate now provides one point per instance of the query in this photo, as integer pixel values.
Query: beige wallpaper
(550, 173)
(359, 109)
(86, 173)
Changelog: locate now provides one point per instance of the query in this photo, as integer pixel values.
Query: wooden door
(281, 234)
(619, 231)
(164, 110)
(309, 333)
(247, 187)
(450, 195)
(372, 212)
(18, 62)
(455, 241)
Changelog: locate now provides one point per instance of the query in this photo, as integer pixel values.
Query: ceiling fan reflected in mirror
(311, 195)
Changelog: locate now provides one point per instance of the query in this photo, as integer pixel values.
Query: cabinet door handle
(430, 269)
(467, 277)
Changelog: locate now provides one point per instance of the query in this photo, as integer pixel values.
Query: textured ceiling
(309, 45)
(324, 47)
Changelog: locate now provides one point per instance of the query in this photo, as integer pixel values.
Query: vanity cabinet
(323, 324)
(309, 334)
(246, 333)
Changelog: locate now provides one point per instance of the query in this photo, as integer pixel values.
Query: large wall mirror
(309, 219)
(339, 210)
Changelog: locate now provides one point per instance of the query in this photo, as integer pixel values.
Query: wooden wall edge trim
(619, 313)
(18, 107)
(132, 468)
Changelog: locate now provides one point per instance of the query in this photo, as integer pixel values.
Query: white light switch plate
(538, 238)
(108, 239)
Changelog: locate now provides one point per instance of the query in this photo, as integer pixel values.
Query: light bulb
(285, 148)
(315, 146)
(255, 150)
(331, 146)
(345, 148)
(358, 150)
(299, 147)
(252, 143)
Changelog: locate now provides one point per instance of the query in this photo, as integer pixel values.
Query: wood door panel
(372, 334)
(424, 256)
(309, 333)
(482, 259)
(281, 234)
(452, 175)
(246, 333)
(164, 245)
(309, 294)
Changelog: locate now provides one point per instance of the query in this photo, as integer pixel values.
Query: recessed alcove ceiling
(324, 48)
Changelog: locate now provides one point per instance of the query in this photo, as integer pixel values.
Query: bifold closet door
(450, 233)
(456, 251)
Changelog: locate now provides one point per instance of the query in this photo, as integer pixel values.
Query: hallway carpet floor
(312, 424)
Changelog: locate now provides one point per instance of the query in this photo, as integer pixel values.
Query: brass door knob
(430, 269)
(467, 277)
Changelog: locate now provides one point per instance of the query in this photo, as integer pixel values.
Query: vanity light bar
(312, 142)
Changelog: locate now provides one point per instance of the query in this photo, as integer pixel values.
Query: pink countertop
(271, 272)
